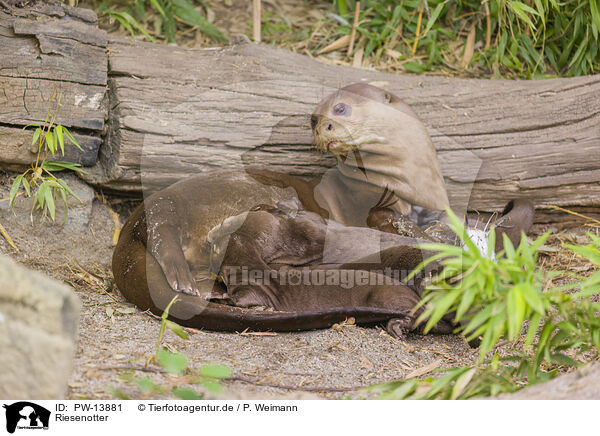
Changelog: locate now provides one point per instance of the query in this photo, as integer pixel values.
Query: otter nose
(318, 128)
(314, 120)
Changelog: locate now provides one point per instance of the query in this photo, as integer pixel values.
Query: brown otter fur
(164, 243)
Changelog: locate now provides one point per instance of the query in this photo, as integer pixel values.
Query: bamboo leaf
(215, 371)
(177, 329)
(14, 189)
(516, 312)
(532, 297)
(519, 9)
(186, 394)
(441, 308)
(173, 363)
(433, 18)
(36, 136)
(26, 186)
(50, 142)
(185, 10)
(58, 131)
(63, 194)
(72, 138)
(50, 203)
(462, 382)
(66, 187)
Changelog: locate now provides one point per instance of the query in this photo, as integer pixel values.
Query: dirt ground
(114, 337)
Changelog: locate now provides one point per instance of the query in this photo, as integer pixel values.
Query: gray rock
(38, 328)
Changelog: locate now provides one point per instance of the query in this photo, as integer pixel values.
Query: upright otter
(387, 174)
(380, 146)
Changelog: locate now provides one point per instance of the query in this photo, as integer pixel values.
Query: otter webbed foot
(398, 327)
(179, 277)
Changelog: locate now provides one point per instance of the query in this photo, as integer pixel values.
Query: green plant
(271, 25)
(176, 364)
(495, 299)
(529, 38)
(164, 15)
(40, 179)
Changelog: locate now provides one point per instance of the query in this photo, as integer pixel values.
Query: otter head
(355, 115)
(378, 139)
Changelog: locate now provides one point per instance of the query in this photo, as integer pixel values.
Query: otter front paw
(180, 278)
(398, 327)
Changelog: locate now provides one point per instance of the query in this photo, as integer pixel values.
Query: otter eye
(341, 109)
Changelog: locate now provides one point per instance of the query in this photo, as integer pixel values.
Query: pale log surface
(196, 110)
(45, 48)
(174, 112)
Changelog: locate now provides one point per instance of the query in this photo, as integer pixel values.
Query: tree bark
(45, 49)
(180, 112)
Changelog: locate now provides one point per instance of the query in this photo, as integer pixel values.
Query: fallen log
(182, 111)
(173, 112)
(45, 49)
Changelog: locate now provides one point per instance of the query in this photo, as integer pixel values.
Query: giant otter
(387, 177)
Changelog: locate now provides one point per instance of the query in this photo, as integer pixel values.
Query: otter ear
(387, 97)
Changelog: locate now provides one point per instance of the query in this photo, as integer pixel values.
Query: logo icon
(26, 415)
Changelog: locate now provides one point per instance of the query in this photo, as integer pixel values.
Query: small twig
(488, 22)
(4, 233)
(354, 26)
(256, 18)
(414, 48)
(552, 206)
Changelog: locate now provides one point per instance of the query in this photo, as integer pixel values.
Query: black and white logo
(26, 415)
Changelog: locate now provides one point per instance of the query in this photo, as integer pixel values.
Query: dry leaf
(336, 45)
(393, 53)
(358, 58)
(126, 311)
(344, 323)
(117, 227)
(424, 369)
(469, 48)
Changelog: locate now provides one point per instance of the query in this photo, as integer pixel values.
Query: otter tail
(516, 219)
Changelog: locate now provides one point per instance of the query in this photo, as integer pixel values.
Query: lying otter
(381, 148)
(277, 259)
(165, 243)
